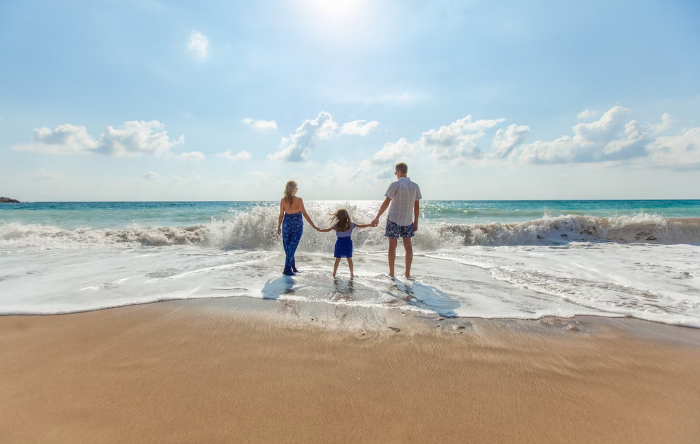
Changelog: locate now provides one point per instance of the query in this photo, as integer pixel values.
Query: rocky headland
(8, 200)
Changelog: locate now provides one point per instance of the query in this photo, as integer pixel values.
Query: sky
(137, 100)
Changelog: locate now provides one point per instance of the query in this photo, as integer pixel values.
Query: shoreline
(687, 334)
(207, 371)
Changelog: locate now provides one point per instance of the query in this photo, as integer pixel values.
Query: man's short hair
(402, 167)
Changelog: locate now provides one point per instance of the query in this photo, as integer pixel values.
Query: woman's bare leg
(350, 265)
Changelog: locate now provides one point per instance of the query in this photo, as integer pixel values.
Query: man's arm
(416, 212)
(382, 209)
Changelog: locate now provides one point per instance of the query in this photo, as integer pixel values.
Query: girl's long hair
(291, 186)
(340, 220)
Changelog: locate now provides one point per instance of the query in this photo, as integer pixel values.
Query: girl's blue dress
(343, 245)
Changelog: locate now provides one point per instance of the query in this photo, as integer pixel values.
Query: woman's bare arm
(303, 211)
(325, 230)
(363, 225)
(279, 219)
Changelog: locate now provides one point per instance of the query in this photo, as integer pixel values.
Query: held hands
(375, 222)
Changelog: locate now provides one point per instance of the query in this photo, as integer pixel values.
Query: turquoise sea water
(521, 259)
(97, 215)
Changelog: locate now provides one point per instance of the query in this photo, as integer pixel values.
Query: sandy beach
(180, 373)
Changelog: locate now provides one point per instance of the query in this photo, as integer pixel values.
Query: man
(402, 220)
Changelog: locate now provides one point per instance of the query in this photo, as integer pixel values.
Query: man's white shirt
(403, 194)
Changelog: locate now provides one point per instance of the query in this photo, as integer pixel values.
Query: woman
(291, 210)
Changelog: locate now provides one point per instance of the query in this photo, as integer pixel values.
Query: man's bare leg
(350, 265)
(392, 255)
(408, 245)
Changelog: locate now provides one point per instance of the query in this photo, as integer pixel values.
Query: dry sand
(164, 373)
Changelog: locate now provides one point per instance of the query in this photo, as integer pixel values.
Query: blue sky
(147, 100)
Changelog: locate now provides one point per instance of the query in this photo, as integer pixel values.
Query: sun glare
(336, 10)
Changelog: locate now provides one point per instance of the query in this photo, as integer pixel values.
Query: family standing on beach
(402, 200)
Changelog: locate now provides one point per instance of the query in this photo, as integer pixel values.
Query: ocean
(491, 259)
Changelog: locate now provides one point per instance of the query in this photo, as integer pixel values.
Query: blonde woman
(290, 225)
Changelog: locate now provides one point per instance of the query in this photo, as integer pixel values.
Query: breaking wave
(256, 230)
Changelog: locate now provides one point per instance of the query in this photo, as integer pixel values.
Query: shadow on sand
(273, 289)
(427, 297)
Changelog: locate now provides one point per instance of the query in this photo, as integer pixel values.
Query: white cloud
(588, 114)
(606, 139)
(298, 146)
(506, 140)
(602, 130)
(680, 152)
(386, 174)
(132, 139)
(242, 155)
(151, 176)
(260, 124)
(135, 138)
(458, 140)
(665, 125)
(393, 152)
(359, 127)
(198, 45)
(192, 156)
(65, 139)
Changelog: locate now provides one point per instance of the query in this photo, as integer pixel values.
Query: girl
(343, 227)
(291, 210)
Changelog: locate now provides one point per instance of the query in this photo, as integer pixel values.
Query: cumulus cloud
(606, 139)
(192, 156)
(65, 139)
(665, 125)
(198, 45)
(458, 140)
(680, 152)
(393, 152)
(298, 146)
(135, 138)
(455, 142)
(588, 114)
(132, 139)
(385, 174)
(151, 176)
(611, 138)
(359, 127)
(506, 140)
(260, 124)
(228, 155)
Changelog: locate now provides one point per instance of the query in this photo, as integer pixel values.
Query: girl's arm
(325, 230)
(279, 219)
(303, 211)
(363, 225)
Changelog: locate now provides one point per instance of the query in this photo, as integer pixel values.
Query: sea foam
(256, 230)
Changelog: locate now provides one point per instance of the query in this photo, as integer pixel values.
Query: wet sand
(180, 373)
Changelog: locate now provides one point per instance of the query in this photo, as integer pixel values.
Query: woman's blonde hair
(340, 220)
(288, 196)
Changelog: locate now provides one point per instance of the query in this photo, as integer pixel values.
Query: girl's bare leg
(335, 267)
(350, 265)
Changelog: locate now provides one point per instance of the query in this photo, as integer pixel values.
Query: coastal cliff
(8, 200)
